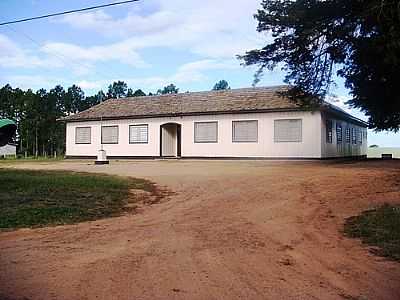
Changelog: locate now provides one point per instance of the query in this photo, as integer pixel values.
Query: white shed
(8, 150)
(239, 123)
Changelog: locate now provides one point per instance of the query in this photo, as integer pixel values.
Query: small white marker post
(101, 154)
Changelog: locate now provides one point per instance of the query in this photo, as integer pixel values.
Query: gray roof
(260, 99)
(225, 101)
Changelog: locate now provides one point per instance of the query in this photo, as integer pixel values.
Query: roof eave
(183, 114)
(337, 111)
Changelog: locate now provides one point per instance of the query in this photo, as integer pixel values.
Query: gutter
(210, 113)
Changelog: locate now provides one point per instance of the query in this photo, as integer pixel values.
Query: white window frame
(339, 128)
(236, 140)
(288, 141)
(353, 136)
(90, 135)
(112, 143)
(329, 131)
(348, 135)
(147, 133)
(206, 122)
(359, 136)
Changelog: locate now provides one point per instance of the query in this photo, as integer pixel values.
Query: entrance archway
(170, 140)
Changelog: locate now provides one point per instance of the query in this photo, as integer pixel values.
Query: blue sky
(148, 44)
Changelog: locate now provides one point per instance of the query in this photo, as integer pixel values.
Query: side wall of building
(308, 147)
(334, 147)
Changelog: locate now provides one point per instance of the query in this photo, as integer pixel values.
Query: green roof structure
(7, 131)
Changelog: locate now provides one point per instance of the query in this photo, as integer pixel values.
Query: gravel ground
(229, 230)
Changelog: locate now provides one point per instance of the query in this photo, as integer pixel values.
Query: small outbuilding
(7, 131)
(8, 150)
(237, 123)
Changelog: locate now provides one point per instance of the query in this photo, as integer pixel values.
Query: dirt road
(232, 230)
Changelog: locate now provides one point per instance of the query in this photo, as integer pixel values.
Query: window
(339, 133)
(287, 130)
(138, 134)
(82, 135)
(329, 131)
(359, 135)
(348, 136)
(109, 134)
(206, 132)
(244, 131)
(353, 136)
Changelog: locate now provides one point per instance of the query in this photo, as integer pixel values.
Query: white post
(101, 154)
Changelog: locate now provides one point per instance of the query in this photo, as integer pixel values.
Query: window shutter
(288, 130)
(82, 135)
(329, 131)
(109, 135)
(353, 136)
(138, 134)
(205, 132)
(339, 133)
(245, 131)
(348, 136)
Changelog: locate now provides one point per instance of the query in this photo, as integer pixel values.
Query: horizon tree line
(36, 113)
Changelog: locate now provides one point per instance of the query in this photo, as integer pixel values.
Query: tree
(129, 93)
(95, 99)
(75, 98)
(221, 85)
(139, 93)
(316, 40)
(117, 90)
(169, 89)
(36, 114)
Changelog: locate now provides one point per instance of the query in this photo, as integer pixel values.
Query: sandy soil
(231, 230)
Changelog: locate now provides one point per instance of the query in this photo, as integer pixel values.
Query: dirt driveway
(232, 230)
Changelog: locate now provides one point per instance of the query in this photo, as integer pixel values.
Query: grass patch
(38, 198)
(379, 228)
(12, 159)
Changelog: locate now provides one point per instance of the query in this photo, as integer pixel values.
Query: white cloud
(84, 84)
(132, 23)
(339, 101)
(62, 55)
(213, 29)
(193, 71)
(31, 81)
(13, 56)
(186, 73)
(76, 54)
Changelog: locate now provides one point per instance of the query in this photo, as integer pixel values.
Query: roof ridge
(258, 88)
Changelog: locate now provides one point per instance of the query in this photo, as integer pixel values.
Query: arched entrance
(170, 140)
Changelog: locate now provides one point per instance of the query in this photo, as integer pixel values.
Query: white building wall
(343, 149)
(8, 150)
(309, 147)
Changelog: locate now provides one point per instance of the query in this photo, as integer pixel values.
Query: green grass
(39, 198)
(379, 228)
(12, 159)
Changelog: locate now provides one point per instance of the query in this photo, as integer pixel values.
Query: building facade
(244, 123)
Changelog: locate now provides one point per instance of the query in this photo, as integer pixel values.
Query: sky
(148, 44)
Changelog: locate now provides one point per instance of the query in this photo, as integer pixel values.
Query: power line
(67, 12)
(62, 57)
